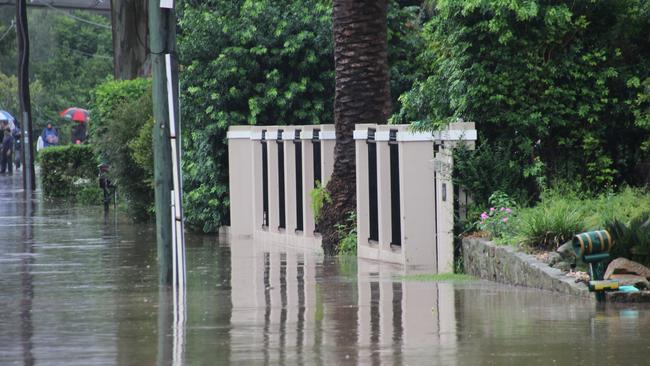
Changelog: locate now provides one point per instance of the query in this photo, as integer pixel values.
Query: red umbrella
(76, 114)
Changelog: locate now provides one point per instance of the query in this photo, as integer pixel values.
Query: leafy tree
(9, 93)
(80, 60)
(556, 79)
(246, 63)
(8, 60)
(262, 63)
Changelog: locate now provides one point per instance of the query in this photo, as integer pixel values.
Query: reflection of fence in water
(295, 308)
(274, 291)
(396, 316)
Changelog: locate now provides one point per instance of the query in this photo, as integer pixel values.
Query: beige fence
(405, 197)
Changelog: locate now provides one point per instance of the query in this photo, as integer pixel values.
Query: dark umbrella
(76, 114)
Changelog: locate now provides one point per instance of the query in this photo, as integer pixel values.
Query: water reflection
(79, 288)
(27, 281)
(315, 311)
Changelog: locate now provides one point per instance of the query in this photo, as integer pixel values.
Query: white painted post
(307, 181)
(383, 189)
(289, 180)
(272, 159)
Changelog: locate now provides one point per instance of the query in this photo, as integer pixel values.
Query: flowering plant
(495, 221)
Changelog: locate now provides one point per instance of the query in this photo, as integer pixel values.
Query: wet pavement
(78, 287)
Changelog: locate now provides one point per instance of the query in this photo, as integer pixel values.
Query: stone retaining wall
(504, 264)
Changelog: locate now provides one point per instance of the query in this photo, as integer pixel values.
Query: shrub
(563, 82)
(631, 241)
(122, 136)
(624, 206)
(63, 166)
(90, 194)
(348, 235)
(495, 221)
(319, 196)
(488, 169)
(550, 224)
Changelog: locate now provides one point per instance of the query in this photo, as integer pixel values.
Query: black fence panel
(372, 186)
(281, 203)
(396, 229)
(265, 181)
(317, 156)
(298, 148)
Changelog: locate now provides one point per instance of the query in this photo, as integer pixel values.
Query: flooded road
(80, 288)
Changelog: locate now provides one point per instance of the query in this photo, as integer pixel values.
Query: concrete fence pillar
(273, 180)
(417, 200)
(363, 207)
(257, 179)
(383, 188)
(291, 215)
(443, 165)
(328, 142)
(240, 160)
(306, 136)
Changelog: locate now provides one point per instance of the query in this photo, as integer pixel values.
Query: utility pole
(162, 33)
(29, 175)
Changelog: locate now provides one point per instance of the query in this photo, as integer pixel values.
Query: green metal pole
(162, 37)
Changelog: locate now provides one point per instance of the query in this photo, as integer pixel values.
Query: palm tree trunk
(362, 96)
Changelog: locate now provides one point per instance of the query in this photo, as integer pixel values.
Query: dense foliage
(561, 88)
(631, 239)
(68, 58)
(122, 138)
(262, 63)
(246, 62)
(80, 59)
(566, 211)
(67, 170)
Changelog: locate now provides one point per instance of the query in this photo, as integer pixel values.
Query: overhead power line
(76, 17)
(7, 31)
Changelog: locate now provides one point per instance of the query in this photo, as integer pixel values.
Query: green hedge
(64, 169)
(122, 137)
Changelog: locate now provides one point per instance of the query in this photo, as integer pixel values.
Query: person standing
(17, 149)
(50, 135)
(6, 163)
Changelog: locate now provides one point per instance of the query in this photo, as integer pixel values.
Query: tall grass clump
(549, 224)
(623, 206)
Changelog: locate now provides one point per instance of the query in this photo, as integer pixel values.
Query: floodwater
(80, 288)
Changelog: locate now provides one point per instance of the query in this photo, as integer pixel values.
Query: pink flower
(484, 216)
(502, 209)
(491, 209)
(508, 210)
(505, 219)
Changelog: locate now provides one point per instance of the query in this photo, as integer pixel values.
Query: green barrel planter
(593, 245)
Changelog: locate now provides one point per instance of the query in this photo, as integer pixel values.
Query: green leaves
(246, 63)
(562, 81)
(122, 137)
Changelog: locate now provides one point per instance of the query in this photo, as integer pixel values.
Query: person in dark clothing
(17, 149)
(6, 163)
(79, 133)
